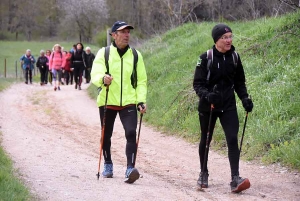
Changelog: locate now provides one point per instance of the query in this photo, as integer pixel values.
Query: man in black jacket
(42, 65)
(89, 63)
(215, 85)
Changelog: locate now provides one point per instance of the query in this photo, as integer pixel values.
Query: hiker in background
(219, 73)
(27, 61)
(42, 65)
(89, 63)
(73, 49)
(68, 73)
(48, 53)
(78, 61)
(125, 95)
(56, 64)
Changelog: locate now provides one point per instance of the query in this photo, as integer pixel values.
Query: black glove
(140, 104)
(247, 104)
(214, 98)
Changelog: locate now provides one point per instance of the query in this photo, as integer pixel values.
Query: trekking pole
(138, 138)
(207, 139)
(102, 131)
(243, 132)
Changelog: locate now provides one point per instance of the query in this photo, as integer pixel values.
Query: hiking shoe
(55, 88)
(203, 180)
(239, 184)
(131, 175)
(58, 88)
(108, 170)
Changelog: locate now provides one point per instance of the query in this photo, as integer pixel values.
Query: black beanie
(219, 30)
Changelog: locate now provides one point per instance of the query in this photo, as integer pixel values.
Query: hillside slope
(269, 49)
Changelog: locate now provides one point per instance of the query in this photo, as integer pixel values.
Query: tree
(88, 16)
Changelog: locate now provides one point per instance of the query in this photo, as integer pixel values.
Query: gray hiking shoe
(131, 175)
(203, 180)
(239, 184)
(108, 170)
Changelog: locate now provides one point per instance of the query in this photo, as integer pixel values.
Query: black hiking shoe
(131, 175)
(239, 184)
(203, 180)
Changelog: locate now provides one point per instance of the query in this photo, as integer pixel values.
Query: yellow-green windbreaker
(121, 92)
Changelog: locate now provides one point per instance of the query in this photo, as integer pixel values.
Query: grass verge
(11, 188)
(269, 49)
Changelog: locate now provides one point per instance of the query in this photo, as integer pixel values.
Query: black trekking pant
(71, 77)
(43, 72)
(46, 74)
(50, 76)
(67, 77)
(78, 71)
(128, 117)
(28, 73)
(87, 73)
(230, 124)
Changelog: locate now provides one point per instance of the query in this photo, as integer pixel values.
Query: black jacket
(89, 60)
(224, 75)
(42, 61)
(78, 59)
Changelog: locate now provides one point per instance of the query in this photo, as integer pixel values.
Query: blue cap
(119, 25)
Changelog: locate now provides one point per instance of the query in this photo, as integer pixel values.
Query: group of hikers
(119, 73)
(59, 67)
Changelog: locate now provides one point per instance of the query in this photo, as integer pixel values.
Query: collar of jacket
(121, 51)
(229, 52)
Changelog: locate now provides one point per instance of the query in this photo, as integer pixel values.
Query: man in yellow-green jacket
(124, 97)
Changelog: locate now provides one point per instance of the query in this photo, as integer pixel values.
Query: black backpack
(210, 59)
(135, 60)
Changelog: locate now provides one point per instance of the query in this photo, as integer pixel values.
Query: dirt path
(53, 139)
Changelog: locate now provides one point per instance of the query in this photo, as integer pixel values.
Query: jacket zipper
(121, 81)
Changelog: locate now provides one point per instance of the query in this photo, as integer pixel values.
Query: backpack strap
(134, 73)
(135, 60)
(210, 60)
(235, 58)
(106, 57)
(60, 55)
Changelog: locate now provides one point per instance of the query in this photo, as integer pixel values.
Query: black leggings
(128, 118)
(78, 71)
(230, 124)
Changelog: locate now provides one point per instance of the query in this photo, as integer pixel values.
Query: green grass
(269, 49)
(11, 188)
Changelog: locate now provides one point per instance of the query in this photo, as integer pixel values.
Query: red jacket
(68, 62)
